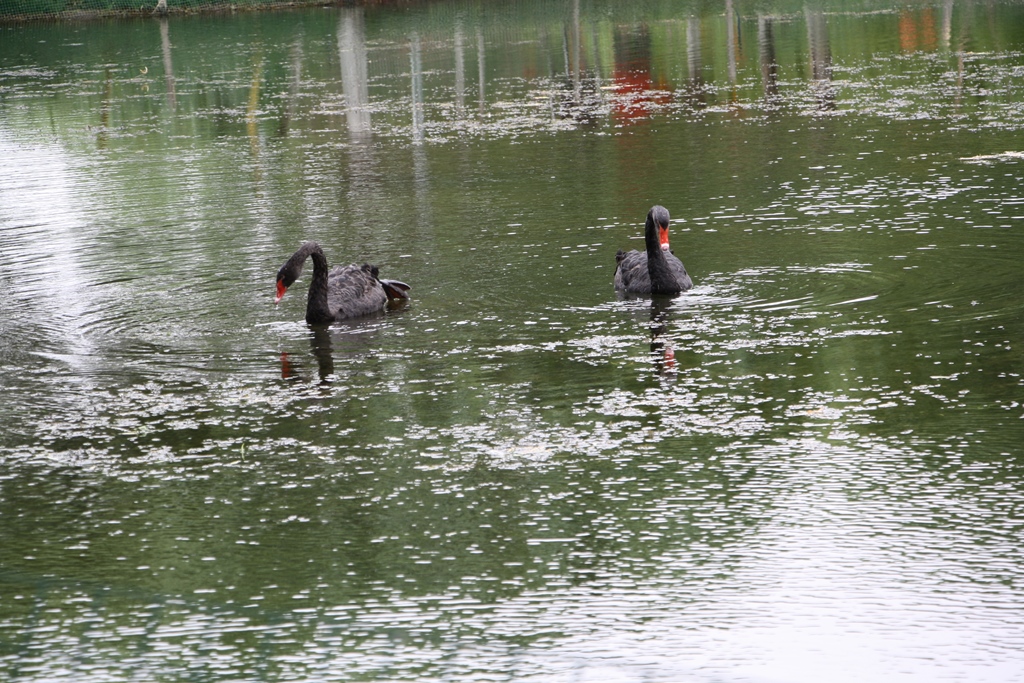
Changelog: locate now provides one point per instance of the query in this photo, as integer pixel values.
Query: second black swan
(656, 270)
(338, 293)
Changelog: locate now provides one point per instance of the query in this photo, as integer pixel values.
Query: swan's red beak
(663, 237)
(281, 289)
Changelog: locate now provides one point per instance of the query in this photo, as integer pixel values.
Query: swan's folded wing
(354, 291)
(631, 271)
(680, 274)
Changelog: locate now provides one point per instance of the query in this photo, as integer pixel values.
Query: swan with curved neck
(344, 292)
(656, 270)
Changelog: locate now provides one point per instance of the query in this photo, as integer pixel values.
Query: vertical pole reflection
(293, 88)
(693, 51)
(353, 62)
(694, 60)
(480, 66)
(354, 79)
(252, 128)
(946, 29)
(821, 58)
(460, 71)
(577, 39)
(769, 67)
(416, 67)
(731, 43)
(419, 154)
(947, 42)
(165, 47)
(817, 41)
(108, 93)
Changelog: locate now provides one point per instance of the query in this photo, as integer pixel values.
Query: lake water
(808, 468)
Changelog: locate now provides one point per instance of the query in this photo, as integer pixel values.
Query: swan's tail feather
(395, 289)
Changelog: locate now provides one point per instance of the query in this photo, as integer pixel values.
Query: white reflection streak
(818, 45)
(40, 219)
(693, 51)
(802, 600)
(820, 57)
(730, 38)
(165, 46)
(460, 71)
(354, 78)
(946, 33)
(769, 68)
(416, 66)
(419, 159)
(857, 301)
(480, 66)
(291, 99)
(577, 38)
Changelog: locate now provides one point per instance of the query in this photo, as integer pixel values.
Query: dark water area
(807, 468)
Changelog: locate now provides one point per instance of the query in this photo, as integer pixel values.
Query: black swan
(656, 271)
(344, 292)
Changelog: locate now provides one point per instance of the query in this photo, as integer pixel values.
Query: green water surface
(808, 468)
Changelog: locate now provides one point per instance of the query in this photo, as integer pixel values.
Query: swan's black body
(344, 292)
(656, 270)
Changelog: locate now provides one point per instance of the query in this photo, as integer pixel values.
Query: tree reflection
(731, 43)
(572, 48)
(695, 60)
(293, 88)
(165, 50)
(481, 71)
(103, 134)
(354, 77)
(769, 67)
(820, 59)
(416, 75)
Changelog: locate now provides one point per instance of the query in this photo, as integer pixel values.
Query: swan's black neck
(663, 280)
(317, 309)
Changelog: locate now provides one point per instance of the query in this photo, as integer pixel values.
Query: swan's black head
(657, 222)
(292, 268)
(285, 278)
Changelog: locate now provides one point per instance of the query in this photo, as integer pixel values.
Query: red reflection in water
(917, 31)
(287, 372)
(636, 91)
(636, 94)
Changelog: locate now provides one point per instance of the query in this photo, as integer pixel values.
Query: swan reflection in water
(657, 318)
(347, 340)
(322, 350)
(662, 349)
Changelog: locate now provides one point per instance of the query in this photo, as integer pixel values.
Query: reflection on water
(352, 48)
(165, 48)
(820, 58)
(807, 468)
(769, 66)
